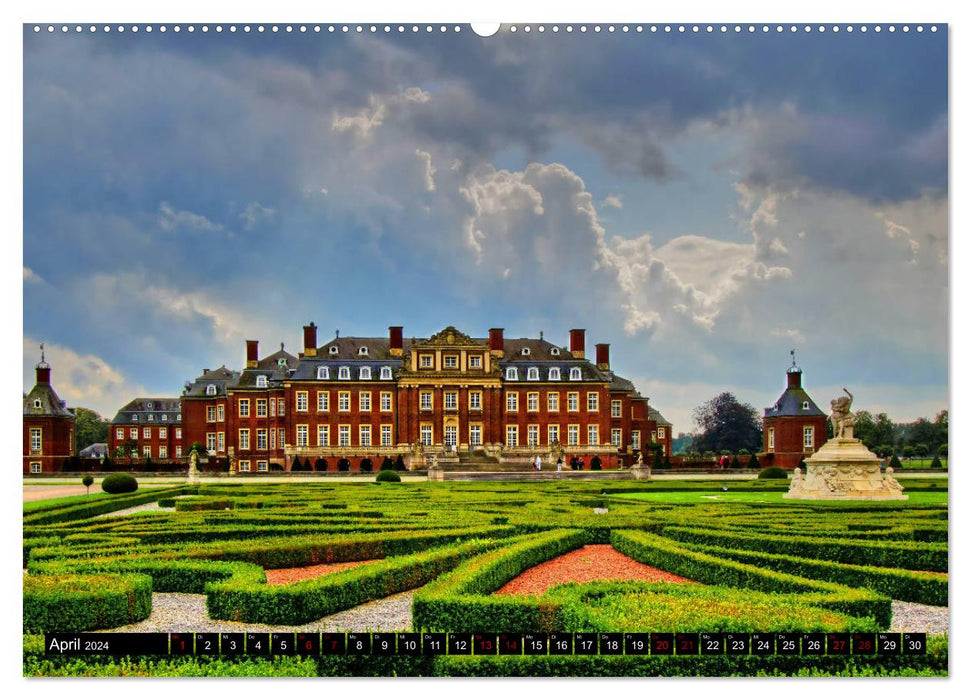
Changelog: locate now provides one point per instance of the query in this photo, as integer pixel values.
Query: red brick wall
(155, 441)
(789, 450)
(58, 442)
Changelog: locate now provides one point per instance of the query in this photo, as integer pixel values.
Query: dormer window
(575, 374)
(532, 374)
(210, 389)
(362, 351)
(554, 351)
(323, 373)
(165, 417)
(554, 374)
(525, 352)
(134, 418)
(365, 373)
(512, 374)
(151, 417)
(282, 362)
(36, 403)
(385, 373)
(344, 373)
(332, 350)
(148, 405)
(179, 417)
(261, 381)
(805, 405)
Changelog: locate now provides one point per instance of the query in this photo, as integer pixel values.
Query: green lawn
(754, 497)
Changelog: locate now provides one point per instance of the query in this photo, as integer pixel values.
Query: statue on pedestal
(193, 477)
(841, 418)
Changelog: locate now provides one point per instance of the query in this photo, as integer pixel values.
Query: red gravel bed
(275, 577)
(595, 562)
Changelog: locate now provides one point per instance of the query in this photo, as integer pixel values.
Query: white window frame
(808, 436)
(475, 362)
(323, 401)
(616, 437)
(163, 452)
(771, 439)
(35, 467)
(386, 435)
(344, 435)
(512, 436)
(616, 409)
(425, 361)
(532, 374)
(303, 435)
(244, 465)
(532, 402)
(635, 439)
(475, 400)
(210, 389)
(512, 401)
(386, 373)
(323, 435)
(450, 361)
(573, 402)
(133, 433)
(261, 408)
(220, 413)
(344, 373)
(323, 373)
(512, 374)
(262, 465)
(364, 401)
(147, 451)
(553, 402)
(426, 434)
(554, 374)
(660, 432)
(343, 401)
(573, 435)
(261, 439)
(575, 374)
(475, 435)
(552, 433)
(36, 440)
(119, 434)
(303, 401)
(365, 373)
(593, 434)
(451, 400)
(593, 402)
(178, 433)
(244, 439)
(386, 401)
(426, 401)
(163, 433)
(146, 433)
(532, 435)
(261, 381)
(364, 432)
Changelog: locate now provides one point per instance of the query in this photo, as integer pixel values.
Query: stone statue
(841, 418)
(640, 459)
(796, 483)
(890, 482)
(193, 476)
(433, 461)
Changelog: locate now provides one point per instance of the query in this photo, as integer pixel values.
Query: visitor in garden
(580, 464)
(538, 462)
(559, 464)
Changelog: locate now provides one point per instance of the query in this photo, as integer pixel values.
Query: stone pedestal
(844, 470)
(640, 471)
(436, 473)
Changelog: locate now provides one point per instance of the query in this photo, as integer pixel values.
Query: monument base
(844, 470)
(640, 472)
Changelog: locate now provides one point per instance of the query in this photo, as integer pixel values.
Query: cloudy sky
(704, 203)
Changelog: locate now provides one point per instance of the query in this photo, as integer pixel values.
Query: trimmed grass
(917, 497)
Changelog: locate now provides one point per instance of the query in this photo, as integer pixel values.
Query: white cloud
(82, 379)
(32, 277)
(171, 219)
(428, 170)
(613, 200)
(255, 213)
(364, 121)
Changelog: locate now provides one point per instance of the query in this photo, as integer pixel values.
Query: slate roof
(218, 377)
(790, 404)
(164, 411)
(348, 348)
(273, 361)
(42, 400)
(539, 349)
(307, 369)
(618, 383)
(98, 449)
(588, 371)
(655, 415)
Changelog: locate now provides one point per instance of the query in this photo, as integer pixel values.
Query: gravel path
(914, 617)
(595, 562)
(186, 612)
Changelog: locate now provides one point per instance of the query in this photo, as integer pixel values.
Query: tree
(89, 427)
(907, 451)
(864, 427)
(727, 424)
(883, 431)
(87, 481)
(942, 450)
(683, 443)
(923, 431)
(920, 450)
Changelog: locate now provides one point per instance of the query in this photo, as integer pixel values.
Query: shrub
(942, 450)
(74, 603)
(106, 464)
(936, 463)
(88, 480)
(743, 453)
(388, 475)
(773, 473)
(735, 463)
(895, 463)
(399, 464)
(754, 463)
(119, 483)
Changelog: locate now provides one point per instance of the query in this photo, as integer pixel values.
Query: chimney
(495, 342)
(205, 371)
(252, 353)
(603, 355)
(577, 342)
(794, 377)
(395, 341)
(310, 340)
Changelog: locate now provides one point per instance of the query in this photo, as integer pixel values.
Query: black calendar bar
(486, 644)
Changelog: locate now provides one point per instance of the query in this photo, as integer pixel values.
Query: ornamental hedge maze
(759, 565)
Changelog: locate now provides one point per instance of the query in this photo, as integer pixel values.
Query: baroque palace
(356, 398)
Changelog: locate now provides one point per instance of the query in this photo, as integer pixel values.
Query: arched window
(512, 374)
(532, 373)
(323, 373)
(36, 403)
(261, 381)
(344, 373)
(554, 351)
(148, 405)
(362, 351)
(333, 350)
(365, 372)
(575, 373)
(385, 373)
(210, 389)
(525, 352)
(805, 405)
(554, 374)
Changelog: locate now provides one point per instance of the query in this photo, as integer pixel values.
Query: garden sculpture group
(844, 469)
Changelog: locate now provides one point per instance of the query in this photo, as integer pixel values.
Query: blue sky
(702, 202)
